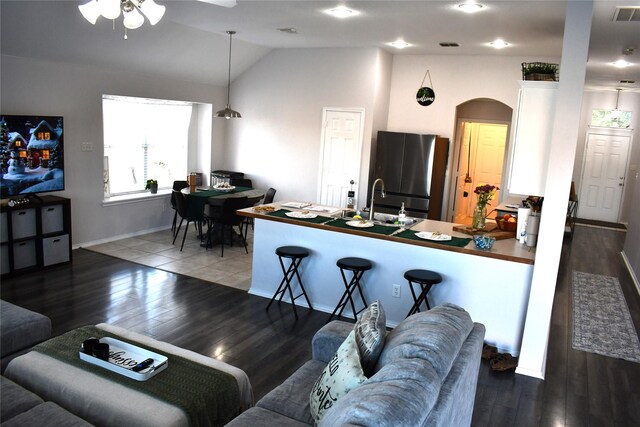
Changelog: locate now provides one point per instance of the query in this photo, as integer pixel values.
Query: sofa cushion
(417, 357)
(291, 398)
(21, 328)
(433, 336)
(342, 374)
(15, 399)
(370, 331)
(47, 414)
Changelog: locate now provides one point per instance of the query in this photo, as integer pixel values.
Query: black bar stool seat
(296, 254)
(426, 279)
(357, 266)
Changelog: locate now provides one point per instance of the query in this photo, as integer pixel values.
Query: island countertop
(506, 249)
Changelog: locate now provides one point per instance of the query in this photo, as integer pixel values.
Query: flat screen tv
(31, 155)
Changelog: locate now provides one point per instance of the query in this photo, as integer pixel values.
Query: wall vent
(449, 44)
(627, 14)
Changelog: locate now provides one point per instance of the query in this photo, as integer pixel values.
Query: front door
(603, 176)
(341, 155)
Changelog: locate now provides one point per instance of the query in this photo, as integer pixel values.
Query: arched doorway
(480, 148)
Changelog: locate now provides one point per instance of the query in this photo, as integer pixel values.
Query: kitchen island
(493, 286)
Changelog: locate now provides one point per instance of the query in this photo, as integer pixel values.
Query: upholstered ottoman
(20, 329)
(102, 401)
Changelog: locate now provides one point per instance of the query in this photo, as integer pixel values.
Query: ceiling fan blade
(223, 3)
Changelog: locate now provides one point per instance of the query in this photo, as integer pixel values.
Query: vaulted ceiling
(190, 42)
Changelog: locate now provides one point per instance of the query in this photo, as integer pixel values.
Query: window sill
(135, 198)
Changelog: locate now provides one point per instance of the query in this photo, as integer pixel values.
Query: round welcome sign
(425, 96)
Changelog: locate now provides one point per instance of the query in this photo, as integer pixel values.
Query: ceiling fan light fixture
(228, 112)
(132, 18)
(110, 9)
(152, 10)
(90, 11)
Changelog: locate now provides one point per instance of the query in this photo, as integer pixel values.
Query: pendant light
(228, 113)
(616, 113)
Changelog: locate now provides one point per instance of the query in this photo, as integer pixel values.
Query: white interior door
(341, 155)
(605, 163)
(482, 154)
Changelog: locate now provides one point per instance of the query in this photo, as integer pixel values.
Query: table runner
(207, 396)
(376, 229)
(282, 213)
(459, 242)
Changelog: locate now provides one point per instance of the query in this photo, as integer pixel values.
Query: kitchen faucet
(373, 194)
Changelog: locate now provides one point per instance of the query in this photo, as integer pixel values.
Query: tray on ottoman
(124, 356)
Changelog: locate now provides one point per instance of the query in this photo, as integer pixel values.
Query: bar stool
(426, 279)
(357, 266)
(296, 254)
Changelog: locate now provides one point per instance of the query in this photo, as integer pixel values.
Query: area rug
(601, 320)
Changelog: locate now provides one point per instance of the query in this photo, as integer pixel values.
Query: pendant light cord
(229, 74)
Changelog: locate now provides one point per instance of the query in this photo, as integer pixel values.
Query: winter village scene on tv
(31, 151)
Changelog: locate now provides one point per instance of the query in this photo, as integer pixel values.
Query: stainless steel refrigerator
(413, 168)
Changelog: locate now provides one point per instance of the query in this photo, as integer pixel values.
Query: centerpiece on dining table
(485, 194)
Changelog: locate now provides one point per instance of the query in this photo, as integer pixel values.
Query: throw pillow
(370, 332)
(342, 374)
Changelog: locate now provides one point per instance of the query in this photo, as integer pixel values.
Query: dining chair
(182, 208)
(177, 185)
(241, 182)
(225, 219)
(268, 197)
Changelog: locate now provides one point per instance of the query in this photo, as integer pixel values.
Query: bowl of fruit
(507, 222)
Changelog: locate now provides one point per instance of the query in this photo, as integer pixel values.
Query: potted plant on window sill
(152, 185)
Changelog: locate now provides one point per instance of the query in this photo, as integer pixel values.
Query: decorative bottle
(402, 215)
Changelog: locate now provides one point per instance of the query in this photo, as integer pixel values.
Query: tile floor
(156, 250)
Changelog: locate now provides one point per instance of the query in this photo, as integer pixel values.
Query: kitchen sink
(389, 219)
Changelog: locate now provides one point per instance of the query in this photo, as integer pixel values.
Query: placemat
(376, 229)
(459, 242)
(197, 200)
(208, 396)
(282, 213)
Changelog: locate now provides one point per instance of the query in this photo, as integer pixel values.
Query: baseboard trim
(119, 237)
(631, 272)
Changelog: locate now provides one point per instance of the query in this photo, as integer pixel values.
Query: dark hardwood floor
(580, 389)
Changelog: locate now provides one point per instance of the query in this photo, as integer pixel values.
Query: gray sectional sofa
(20, 329)
(426, 375)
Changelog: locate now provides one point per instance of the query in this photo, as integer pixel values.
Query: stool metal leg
(347, 296)
(285, 284)
(420, 299)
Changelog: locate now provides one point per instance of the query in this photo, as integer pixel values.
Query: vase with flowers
(485, 193)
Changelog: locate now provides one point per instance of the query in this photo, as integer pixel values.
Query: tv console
(35, 234)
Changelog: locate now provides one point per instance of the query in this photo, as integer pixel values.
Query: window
(611, 118)
(144, 139)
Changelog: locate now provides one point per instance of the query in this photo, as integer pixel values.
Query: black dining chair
(177, 186)
(225, 218)
(268, 197)
(182, 208)
(241, 182)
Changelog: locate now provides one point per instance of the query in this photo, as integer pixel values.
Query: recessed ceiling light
(470, 7)
(498, 44)
(399, 44)
(621, 63)
(342, 12)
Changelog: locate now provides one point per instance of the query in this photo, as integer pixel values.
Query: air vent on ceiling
(627, 14)
(449, 44)
(627, 81)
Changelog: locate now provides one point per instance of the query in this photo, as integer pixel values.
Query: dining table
(213, 198)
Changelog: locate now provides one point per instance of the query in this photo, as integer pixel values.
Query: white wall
(277, 141)
(75, 92)
(456, 79)
(629, 101)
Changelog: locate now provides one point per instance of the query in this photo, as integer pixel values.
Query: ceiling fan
(223, 3)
